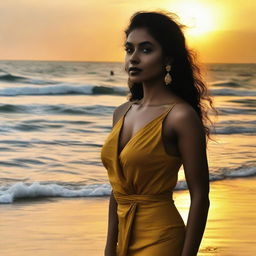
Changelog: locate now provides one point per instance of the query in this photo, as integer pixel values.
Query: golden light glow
(223, 31)
(198, 17)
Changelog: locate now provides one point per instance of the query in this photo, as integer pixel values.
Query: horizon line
(114, 61)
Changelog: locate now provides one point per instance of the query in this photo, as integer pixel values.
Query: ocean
(55, 116)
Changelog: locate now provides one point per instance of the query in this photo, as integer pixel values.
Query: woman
(157, 130)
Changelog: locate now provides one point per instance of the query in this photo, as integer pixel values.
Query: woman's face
(145, 53)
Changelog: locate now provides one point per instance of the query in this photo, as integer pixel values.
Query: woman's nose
(134, 57)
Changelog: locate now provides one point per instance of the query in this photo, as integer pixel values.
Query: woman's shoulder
(183, 110)
(122, 107)
(120, 110)
(184, 117)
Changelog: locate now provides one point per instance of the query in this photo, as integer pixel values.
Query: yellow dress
(142, 177)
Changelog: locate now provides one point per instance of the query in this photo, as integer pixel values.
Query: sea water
(55, 116)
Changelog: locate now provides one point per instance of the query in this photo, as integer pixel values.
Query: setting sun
(198, 17)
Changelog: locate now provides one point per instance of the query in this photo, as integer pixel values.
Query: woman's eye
(127, 49)
(147, 50)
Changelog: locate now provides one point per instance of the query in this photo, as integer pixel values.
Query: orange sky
(89, 30)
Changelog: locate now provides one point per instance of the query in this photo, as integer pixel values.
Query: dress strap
(130, 105)
(169, 109)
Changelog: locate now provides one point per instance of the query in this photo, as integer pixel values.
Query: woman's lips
(134, 72)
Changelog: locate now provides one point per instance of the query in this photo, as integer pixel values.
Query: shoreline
(78, 226)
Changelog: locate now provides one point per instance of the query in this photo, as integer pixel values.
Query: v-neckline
(136, 133)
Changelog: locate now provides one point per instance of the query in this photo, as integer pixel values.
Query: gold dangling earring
(168, 78)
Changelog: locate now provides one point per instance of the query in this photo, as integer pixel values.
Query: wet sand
(76, 227)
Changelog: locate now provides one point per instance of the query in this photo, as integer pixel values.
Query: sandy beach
(57, 226)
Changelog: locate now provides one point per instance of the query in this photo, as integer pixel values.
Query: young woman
(157, 130)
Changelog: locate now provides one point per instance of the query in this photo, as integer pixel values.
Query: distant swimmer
(111, 72)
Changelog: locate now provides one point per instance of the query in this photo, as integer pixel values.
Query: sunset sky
(222, 31)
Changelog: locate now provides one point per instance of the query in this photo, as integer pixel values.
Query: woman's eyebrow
(142, 43)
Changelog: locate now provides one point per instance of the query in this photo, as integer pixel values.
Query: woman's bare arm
(112, 233)
(110, 249)
(192, 147)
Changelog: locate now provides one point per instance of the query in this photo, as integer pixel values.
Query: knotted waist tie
(126, 224)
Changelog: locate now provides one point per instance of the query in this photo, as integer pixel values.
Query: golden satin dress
(142, 177)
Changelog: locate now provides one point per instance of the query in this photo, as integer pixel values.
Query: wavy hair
(187, 82)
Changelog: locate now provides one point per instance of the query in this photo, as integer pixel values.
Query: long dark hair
(187, 81)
